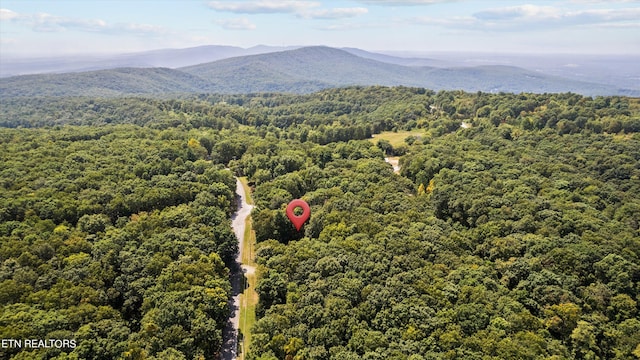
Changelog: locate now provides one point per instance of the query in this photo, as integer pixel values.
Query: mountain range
(223, 69)
(169, 58)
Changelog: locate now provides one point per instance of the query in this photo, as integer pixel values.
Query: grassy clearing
(247, 189)
(248, 302)
(249, 298)
(396, 138)
(249, 248)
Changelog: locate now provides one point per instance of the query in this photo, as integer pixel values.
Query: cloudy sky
(503, 26)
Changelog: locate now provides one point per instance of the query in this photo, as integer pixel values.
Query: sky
(62, 27)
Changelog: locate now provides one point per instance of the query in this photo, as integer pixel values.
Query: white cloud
(43, 22)
(237, 24)
(602, 1)
(140, 28)
(50, 23)
(519, 12)
(6, 14)
(263, 6)
(355, 26)
(335, 13)
(533, 17)
(405, 2)
(303, 9)
(458, 21)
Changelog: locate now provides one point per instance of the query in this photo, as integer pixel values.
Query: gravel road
(238, 222)
(395, 163)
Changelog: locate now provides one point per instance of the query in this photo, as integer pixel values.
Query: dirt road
(238, 222)
(394, 161)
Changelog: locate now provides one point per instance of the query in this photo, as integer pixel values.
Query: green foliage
(515, 236)
(116, 237)
(512, 249)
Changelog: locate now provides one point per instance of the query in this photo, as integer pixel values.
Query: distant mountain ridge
(299, 70)
(168, 58)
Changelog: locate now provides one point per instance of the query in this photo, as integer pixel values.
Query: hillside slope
(318, 64)
(103, 83)
(168, 58)
(302, 70)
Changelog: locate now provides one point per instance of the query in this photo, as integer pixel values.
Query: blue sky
(117, 26)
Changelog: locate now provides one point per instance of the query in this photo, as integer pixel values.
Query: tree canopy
(514, 236)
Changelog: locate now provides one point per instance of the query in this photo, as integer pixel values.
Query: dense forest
(515, 236)
(117, 237)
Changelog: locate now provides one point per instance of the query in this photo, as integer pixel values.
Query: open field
(396, 138)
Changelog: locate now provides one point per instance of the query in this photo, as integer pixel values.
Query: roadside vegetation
(249, 297)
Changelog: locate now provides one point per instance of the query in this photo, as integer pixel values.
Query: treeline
(156, 113)
(337, 114)
(115, 237)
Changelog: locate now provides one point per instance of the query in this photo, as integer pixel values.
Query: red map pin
(298, 220)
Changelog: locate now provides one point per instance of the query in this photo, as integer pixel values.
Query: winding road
(238, 222)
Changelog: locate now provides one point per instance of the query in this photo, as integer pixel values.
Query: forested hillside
(300, 71)
(513, 248)
(516, 236)
(117, 237)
